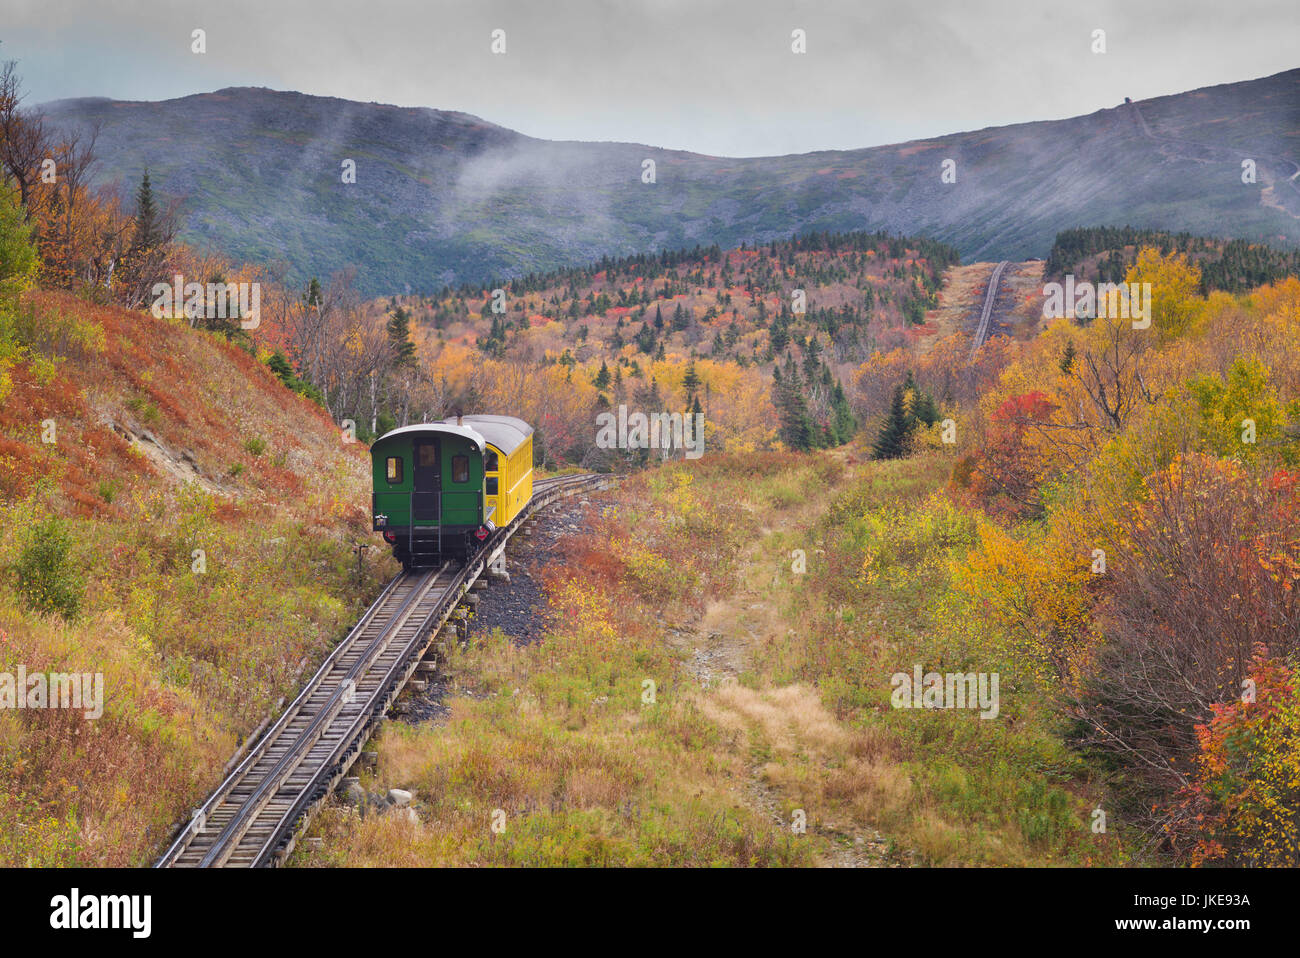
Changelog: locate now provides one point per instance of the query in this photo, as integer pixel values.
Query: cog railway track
(254, 816)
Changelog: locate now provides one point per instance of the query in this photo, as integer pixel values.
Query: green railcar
(436, 484)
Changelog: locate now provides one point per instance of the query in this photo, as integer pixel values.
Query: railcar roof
(505, 432)
(443, 428)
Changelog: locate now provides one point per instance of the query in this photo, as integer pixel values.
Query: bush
(1208, 564)
(1247, 784)
(17, 253)
(17, 267)
(1245, 394)
(283, 370)
(48, 579)
(146, 409)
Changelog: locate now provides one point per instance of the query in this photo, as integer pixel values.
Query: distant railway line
(986, 314)
(254, 816)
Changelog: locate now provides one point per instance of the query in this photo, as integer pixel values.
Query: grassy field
(767, 736)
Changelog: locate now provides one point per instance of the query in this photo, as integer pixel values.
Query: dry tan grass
(789, 719)
(843, 779)
(959, 302)
(1024, 287)
(962, 297)
(936, 840)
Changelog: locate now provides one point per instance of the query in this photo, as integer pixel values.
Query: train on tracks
(442, 488)
(287, 768)
(443, 491)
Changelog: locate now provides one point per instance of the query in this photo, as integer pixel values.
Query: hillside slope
(171, 518)
(443, 198)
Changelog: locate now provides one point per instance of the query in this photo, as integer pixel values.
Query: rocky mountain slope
(445, 198)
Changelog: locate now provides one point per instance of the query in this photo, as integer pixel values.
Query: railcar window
(428, 455)
(394, 465)
(460, 468)
(490, 463)
(492, 485)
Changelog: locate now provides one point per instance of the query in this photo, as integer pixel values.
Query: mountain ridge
(445, 197)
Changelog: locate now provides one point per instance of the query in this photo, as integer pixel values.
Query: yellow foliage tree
(1175, 301)
(1034, 591)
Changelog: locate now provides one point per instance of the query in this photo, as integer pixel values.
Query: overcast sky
(712, 77)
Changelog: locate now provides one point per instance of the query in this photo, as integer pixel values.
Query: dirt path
(788, 725)
(785, 727)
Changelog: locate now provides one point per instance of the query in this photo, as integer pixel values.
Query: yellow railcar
(507, 465)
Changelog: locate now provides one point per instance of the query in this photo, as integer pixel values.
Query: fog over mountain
(442, 197)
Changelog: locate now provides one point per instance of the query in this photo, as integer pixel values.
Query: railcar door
(426, 481)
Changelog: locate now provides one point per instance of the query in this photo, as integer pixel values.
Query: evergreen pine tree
(399, 337)
(891, 442)
(146, 235)
(280, 366)
(918, 404)
(811, 360)
(779, 334)
(924, 410)
(691, 381)
(843, 423)
(1066, 363)
(796, 428)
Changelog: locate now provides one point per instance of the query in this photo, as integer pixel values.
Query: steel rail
(336, 723)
